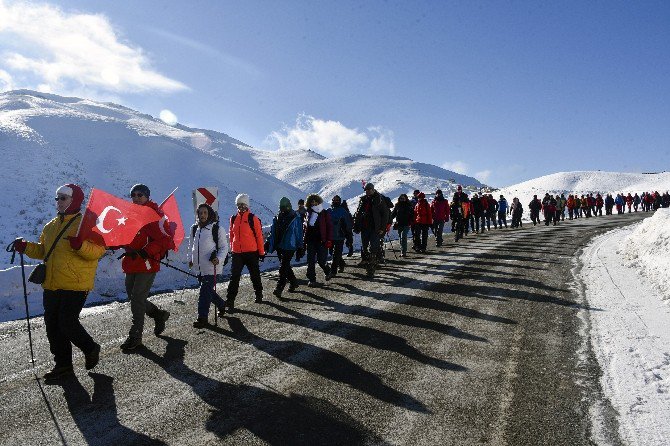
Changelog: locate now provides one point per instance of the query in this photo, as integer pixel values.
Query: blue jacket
(502, 205)
(342, 224)
(292, 239)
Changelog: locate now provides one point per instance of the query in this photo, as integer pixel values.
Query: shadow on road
(96, 415)
(267, 414)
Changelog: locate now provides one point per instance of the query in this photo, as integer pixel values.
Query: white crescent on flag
(100, 222)
(161, 224)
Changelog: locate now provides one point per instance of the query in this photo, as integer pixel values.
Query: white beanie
(242, 199)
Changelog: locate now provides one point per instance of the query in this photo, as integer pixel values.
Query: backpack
(215, 233)
(251, 222)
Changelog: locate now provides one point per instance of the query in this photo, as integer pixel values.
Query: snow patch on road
(629, 318)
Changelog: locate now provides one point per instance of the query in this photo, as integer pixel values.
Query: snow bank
(629, 321)
(647, 249)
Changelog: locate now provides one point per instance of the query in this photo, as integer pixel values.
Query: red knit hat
(74, 191)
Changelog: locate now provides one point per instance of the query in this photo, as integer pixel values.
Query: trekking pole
(216, 312)
(10, 248)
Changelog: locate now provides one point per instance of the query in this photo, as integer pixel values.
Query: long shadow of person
(269, 415)
(96, 415)
(359, 334)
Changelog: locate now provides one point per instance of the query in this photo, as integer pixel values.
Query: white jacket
(204, 246)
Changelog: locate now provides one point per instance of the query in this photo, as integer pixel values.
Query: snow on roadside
(647, 249)
(629, 327)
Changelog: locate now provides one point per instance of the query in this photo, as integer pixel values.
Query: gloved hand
(75, 242)
(190, 265)
(299, 254)
(225, 261)
(329, 244)
(212, 257)
(142, 253)
(20, 245)
(261, 257)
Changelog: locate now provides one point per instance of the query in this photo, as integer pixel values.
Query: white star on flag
(122, 221)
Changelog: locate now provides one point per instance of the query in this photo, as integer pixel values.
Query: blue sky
(504, 91)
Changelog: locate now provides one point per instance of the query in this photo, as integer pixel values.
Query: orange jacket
(242, 237)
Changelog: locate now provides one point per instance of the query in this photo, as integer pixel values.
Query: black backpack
(215, 233)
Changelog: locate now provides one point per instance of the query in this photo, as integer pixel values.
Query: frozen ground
(626, 277)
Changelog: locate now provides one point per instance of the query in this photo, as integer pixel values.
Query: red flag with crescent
(171, 221)
(112, 221)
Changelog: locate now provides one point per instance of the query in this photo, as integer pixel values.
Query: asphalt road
(479, 342)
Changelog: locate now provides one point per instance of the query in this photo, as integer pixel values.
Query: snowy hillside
(391, 176)
(587, 182)
(48, 140)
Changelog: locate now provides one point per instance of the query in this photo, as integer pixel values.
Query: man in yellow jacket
(70, 274)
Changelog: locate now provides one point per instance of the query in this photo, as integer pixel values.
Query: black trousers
(61, 319)
(438, 228)
(285, 269)
(239, 261)
(422, 230)
(338, 246)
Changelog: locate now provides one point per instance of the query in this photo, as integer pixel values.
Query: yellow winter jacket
(67, 269)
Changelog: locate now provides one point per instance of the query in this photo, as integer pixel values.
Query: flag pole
(82, 215)
(166, 198)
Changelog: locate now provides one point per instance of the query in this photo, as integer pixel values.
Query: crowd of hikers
(311, 231)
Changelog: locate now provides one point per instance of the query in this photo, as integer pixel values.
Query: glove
(329, 244)
(261, 257)
(75, 242)
(142, 253)
(212, 256)
(190, 265)
(20, 245)
(225, 261)
(299, 253)
(266, 246)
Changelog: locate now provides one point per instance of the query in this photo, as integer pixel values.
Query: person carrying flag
(71, 263)
(141, 262)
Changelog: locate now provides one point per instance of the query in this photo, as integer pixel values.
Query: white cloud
(66, 52)
(6, 81)
(332, 138)
(483, 175)
(168, 117)
(456, 166)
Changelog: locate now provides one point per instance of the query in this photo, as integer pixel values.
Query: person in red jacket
(440, 210)
(141, 262)
(423, 219)
(247, 247)
(318, 235)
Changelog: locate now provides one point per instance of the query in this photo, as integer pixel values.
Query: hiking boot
(277, 292)
(201, 322)
(92, 357)
(259, 298)
(230, 306)
(160, 322)
(341, 267)
(313, 284)
(131, 343)
(292, 287)
(59, 372)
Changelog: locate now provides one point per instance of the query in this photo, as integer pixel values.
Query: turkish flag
(113, 221)
(171, 221)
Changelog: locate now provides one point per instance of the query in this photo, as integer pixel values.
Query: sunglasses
(137, 194)
(61, 198)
